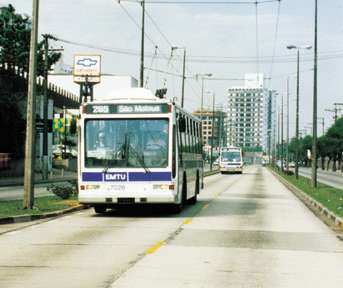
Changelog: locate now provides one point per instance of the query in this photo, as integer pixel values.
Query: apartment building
(250, 115)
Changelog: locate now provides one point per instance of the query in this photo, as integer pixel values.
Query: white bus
(231, 160)
(138, 149)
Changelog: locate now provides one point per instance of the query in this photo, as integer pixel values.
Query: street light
(183, 72)
(202, 77)
(213, 105)
(298, 48)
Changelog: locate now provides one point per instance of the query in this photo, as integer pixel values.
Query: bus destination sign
(126, 108)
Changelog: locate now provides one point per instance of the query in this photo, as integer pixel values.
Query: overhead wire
(328, 55)
(150, 38)
(275, 41)
(201, 2)
(257, 40)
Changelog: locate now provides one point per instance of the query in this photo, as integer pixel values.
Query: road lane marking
(205, 206)
(154, 248)
(187, 221)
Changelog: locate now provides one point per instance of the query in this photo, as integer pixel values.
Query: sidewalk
(56, 176)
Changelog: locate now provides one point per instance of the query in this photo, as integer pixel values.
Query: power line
(135, 22)
(329, 55)
(203, 2)
(158, 28)
(275, 39)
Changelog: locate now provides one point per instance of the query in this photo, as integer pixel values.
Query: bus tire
(177, 208)
(99, 209)
(194, 199)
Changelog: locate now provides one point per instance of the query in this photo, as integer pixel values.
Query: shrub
(62, 190)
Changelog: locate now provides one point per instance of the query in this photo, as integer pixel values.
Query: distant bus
(231, 160)
(138, 149)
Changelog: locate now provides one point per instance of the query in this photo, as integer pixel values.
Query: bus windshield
(231, 156)
(120, 143)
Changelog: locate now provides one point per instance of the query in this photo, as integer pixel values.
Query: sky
(219, 39)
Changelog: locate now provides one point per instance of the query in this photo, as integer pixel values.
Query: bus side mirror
(182, 125)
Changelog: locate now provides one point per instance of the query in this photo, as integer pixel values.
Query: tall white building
(251, 119)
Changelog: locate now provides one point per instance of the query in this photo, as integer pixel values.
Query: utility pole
(142, 46)
(65, 132)
(45, 102)
(213, 103)
(30, 146)
(45, 107)
(183, 77)
(322, 122)
(278, 135)
(314, 134)
(287, 136)
(297, 148)
(282, 151)
(335, 111)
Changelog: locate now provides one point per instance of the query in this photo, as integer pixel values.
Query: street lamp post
(183, 73)
(203, 77)
(298, 48)
(142, 45)
(213, 105)
(314, 136)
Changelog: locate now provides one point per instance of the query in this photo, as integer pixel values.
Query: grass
(41, 205)
(329, 197)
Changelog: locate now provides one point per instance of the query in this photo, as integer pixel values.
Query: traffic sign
(87, 68)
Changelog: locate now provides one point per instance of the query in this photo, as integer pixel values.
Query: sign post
(87, 71)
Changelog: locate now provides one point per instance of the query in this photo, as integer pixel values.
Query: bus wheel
(194, 199)
(177, 208)
(99, 209)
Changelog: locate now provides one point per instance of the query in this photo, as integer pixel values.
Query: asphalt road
(246, 231)
(334, 179)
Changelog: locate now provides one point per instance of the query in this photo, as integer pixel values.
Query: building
(108, 84)
(219, 128)
(251, 119)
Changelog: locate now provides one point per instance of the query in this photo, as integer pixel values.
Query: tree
(335, 139)
(15, 34)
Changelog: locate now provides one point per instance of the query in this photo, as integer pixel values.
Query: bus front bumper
(129, 195)
(231, 169)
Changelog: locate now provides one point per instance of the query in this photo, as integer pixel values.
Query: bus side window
(175, 132)
(189, 135)
(186, 135)
(197, 137)
(193, 136)
(180, 128)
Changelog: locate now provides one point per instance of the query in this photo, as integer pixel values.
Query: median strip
(324, 200)
(45, 207)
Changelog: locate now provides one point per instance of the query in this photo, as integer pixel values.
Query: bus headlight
(164, 186)
(92, 187)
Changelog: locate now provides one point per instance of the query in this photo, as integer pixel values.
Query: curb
(317, 208)
(28, 218)
(210, 173)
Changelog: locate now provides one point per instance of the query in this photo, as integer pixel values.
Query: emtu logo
(121, 176)
(87, 62)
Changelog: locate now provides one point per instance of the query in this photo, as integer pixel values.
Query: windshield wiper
(139, 158)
